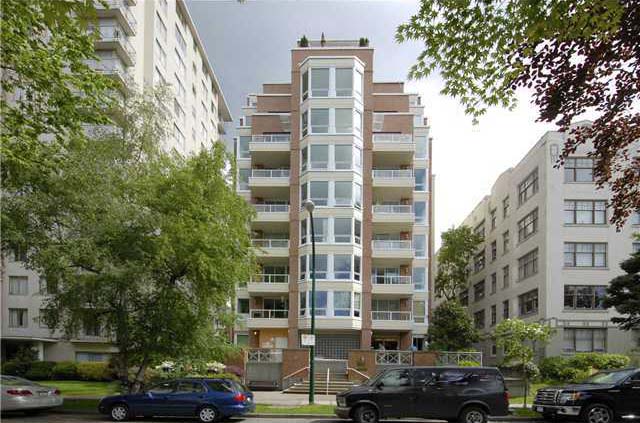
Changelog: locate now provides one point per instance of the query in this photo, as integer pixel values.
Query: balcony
(269, 178)
(268, 143)
(269, 282)
(267, 318)
(392, 249)
(394, 216)
(399, 143)
(118, 9)
(272, 212)
(393, 178)
(391, 285)
(113, 38)
(273, 247)
(115, 69)
(391, 320)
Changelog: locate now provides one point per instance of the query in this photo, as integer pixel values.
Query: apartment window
(243, 147)
(357, 231)
(46, 286)
(420, 212)
(493, 218)
(341, 303)
(421, 179)
(344, 121)
(494, 250)
(635, 247)
(578, 169)
(319, 121)
(303, 268)
(180, 41)
(505, 309)
(356, 268)
(161, 28)
(322, 266)
(319, 156)
(321, 303)
(342, 266)
(344, 82)
(528, 264)
(357, 304)
(585, 254)
(18, 318)
(304, 158)
(42, 322)
(92, 357)
(357, 123)
(180, 91)
(92, 327)
(18, 285)
(357, 196)
(343, 155)
(419, 278)
(421, 147)
(478, 291)
(528, 187)
(635, 218)
(479, 319)
(321, 229)
(420, 245)
(584, 297)
(479, 229)
(478, 261)
(464, 297)
(177, 133)
(528, 225)
(342, 230)
(182, 69)
(494, 315)
(494, 283)
(419, 312)
(505, 277)
(528, 303)
(343, 193)
(242, 339)
(162, 55)
(320, 82)
(584, 340)
(505, 207)
(305, 123)
(357, 84)
(305, 85)
(319, 192)
(505, 242)
(178, 112)
(585, 212)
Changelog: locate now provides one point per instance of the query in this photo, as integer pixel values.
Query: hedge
(40, 370)
(65, 370)
(580, 366)
(94, 371)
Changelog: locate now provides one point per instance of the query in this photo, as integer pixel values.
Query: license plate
(540, 409)
(44, 394)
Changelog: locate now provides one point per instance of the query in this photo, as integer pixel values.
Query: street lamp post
(312, 350)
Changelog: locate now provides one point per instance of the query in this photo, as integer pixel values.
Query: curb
(333, 417)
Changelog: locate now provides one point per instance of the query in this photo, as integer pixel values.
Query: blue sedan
(208, 399)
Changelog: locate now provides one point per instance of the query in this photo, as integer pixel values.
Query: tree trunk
(138, 381)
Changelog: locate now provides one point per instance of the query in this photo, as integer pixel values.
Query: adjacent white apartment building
(142, 43)
(549, 253)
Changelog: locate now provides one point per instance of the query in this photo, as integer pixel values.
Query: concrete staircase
(337, 383)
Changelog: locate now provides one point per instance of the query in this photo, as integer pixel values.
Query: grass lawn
(301, 409)
(525, 412)
(533, 388)
(77, 388)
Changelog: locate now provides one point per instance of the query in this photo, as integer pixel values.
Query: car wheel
(208, 414)
(597, 413)
(119, 412)
(473, 415)
(366, 414)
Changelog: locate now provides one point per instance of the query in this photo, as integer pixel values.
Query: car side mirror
(379, 384)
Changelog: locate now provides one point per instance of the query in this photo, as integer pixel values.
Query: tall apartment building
(549, 253)
(142, 43)
(360, 150)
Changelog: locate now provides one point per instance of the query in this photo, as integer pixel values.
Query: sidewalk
(279, 399)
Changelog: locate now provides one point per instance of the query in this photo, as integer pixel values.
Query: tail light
(56, 392)
(507, 396)
(239, 397)
(19, 392)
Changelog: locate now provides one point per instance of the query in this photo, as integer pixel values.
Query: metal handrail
(270, 243)
(270, 278)
(402, 316)
(387, 244)
(400, 138)
(258, 313)
(289, 376)
(390, 280)
(392, 173)
(269, 173)
(271, 138)
(271, 208)
(364, 375)
(392, 208)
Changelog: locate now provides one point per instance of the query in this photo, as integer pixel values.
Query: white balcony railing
(390, 280)
(112, 67)
(386, 244)
(270, 243)
(269, 173)
(264, 355)
(394, 358)
(392, 173)
(122, 6)
(399, 138)
(270, 278)
(268, 314)
(271, 208)
(393, 208)
(116, 34)
(272, 138)
(401, 316)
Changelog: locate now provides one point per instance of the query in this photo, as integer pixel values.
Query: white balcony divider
(264, 355)
(270, 243)
(268, 314)
(393, 208)
(113, 33)
(271, 208)
(390, 280)
(394, 357)
(387, 244)
(403, 316)
(399, 138)
(124, 8)
(271, 138)
(270, 278)
(392, 173)
(270, 173)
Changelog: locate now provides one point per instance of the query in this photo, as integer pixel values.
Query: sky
(248, 43)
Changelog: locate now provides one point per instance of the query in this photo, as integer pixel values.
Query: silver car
(20, 394)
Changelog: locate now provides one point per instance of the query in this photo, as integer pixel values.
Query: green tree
(576, 55)
(458, 247)
(623, 293)
(451, 328)
(518, 340)
(146, 245)
(48, 90)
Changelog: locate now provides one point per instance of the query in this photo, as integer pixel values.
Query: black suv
(466, 394)
(603, 397)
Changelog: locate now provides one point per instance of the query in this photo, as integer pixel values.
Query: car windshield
(15, 381)
(605, 378)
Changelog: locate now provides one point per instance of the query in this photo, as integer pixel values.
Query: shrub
(40, 370)
(94, 371)
(580, 366)
(65, 370)
(598, 361)
(13, 368)
(223, 376)
(468, 363)
(551, 368)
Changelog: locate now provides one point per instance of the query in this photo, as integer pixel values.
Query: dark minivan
(465, 394)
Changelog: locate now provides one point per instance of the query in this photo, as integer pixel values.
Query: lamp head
(309, 206)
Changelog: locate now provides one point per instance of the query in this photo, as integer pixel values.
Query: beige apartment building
(360, 150)
(142, 43)
(549, 253)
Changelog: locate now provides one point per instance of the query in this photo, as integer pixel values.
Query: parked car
(603, 397)
(20, 394)
(208, 399)
(466, 394)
